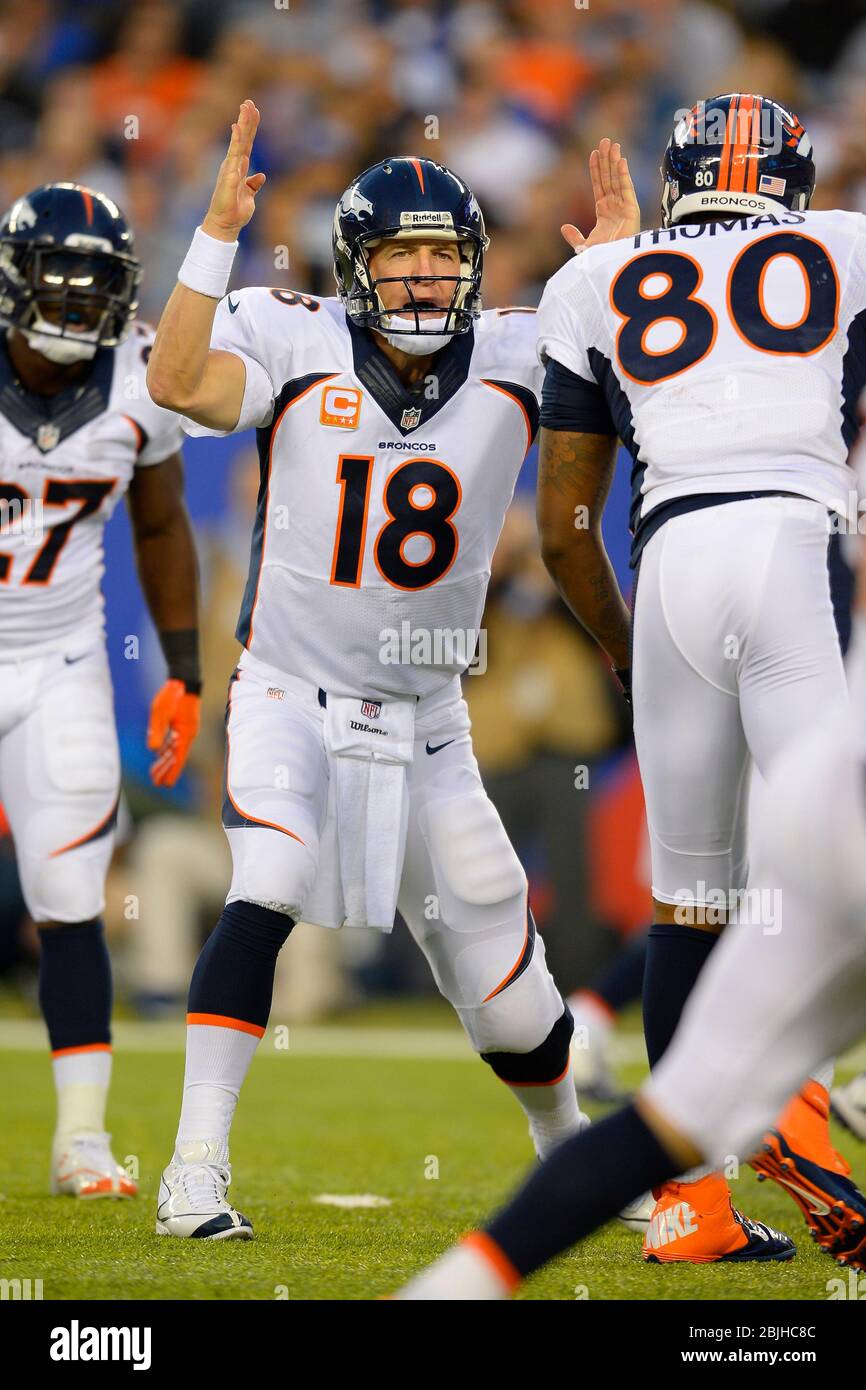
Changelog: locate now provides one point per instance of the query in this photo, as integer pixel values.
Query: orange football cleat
(799, 1155)
(696, 1222)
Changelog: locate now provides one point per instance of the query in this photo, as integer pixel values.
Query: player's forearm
(168, 573)
(183, 374)
(574, 477)
(584, 577)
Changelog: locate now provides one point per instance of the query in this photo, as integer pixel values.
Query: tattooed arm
(574, 477)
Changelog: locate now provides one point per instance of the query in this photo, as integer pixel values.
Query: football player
(78, 429)
(726, 350)
(392, 421)
(723, 1079)
(768, 1008)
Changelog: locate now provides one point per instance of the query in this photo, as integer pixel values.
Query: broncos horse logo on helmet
(737, 153)
(414, 199)
(68, 275)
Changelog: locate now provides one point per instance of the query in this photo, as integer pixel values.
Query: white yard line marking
(330, 1040)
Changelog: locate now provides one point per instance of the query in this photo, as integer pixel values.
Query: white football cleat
(82, 1165)
(848, 1104)
(638, 1214)
(590, 1053)
(192, 1197)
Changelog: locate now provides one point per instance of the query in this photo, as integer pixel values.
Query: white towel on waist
(370, 745)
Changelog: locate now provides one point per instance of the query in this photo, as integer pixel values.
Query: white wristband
(208, 265)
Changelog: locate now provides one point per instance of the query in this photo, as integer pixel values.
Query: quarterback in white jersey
(392, 421)
(726, 350)
(78, 429)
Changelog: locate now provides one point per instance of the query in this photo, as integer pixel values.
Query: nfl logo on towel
(410, 418)
(371, 708)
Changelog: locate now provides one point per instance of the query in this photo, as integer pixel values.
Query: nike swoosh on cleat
(816, 1207)
(439, 746)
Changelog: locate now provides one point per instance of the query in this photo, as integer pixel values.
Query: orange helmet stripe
(737, 182)
(727, 147)
(416, 164)
(752, 160)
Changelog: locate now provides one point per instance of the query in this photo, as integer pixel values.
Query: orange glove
(173, 724)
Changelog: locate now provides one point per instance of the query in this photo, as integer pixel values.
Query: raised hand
(616, 209)
(234, 197)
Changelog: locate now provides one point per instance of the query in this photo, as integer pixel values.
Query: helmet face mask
(739, 154)
(67, 272)
(409, 200)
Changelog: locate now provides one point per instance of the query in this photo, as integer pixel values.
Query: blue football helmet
(739, 153)
(67, 267)
(416, 199)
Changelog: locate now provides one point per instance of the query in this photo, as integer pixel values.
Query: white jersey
(66, 462)
(728, 357)
(379, 508)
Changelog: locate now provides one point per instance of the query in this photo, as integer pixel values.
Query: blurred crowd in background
(136, 99)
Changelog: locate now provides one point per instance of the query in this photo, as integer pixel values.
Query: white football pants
(735, 654)
(60, 779)
(463, 891)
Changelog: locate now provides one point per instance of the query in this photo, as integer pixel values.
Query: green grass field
(320, 1118)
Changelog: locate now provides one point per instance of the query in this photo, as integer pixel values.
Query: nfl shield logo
(411, 418)
(371, 708)
(47, 438)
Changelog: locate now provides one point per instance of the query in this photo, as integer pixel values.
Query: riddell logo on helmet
(426, 219)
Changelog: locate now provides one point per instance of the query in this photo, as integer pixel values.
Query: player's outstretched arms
(574, 477)
(617, 213)
(183, 373)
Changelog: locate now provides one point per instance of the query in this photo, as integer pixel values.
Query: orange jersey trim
(294, 401)
(510, 397)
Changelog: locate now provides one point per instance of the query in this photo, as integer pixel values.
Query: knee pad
(79, 742)
(70, 888)
(520, 1013)
(474, 861)
(542, 1066)
(270, 869)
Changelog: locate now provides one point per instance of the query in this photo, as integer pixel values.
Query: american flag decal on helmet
(766, 184)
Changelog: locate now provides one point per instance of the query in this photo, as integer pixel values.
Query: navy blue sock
(75, 984)
(585, 1182)
(621, 981)
(675, 957)
(234, 974)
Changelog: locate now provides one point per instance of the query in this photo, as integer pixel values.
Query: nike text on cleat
(82, 1165)
(697, 1223)
(834, 1208)
(192, 1199)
